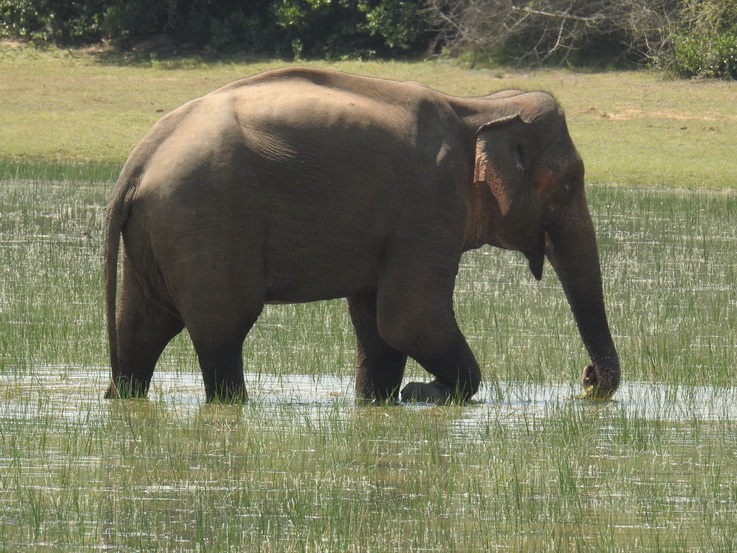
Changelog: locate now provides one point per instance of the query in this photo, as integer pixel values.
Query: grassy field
(638, 129)
(301, 468)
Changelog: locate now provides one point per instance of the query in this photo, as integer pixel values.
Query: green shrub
(351, 28)
(706, 42)
(238, 31)
(397, 22)
(50, 20)
(698, 57)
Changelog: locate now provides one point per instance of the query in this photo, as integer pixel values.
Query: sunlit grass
(634, 128)
(50, 246)
(671, 282)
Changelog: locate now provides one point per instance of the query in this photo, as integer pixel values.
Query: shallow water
(66, 391)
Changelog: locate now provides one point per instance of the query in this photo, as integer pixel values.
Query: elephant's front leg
(415, 315)
(457, 373)
(379, 367)
(457, 377)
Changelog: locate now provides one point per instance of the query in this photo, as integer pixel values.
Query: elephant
(301, 184)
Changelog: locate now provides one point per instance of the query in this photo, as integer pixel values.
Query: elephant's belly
(319, 277)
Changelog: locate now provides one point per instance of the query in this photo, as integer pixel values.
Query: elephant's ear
(498, 164)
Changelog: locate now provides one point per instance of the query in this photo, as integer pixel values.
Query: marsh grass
(301, 468)
(671, 282)
(50, 236)
(276, 475)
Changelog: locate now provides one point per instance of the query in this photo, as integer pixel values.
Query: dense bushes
(705, 43)
(691, 37)
(325, 28)
(698, 56)
(330, 28)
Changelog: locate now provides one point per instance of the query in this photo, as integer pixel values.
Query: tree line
(691, 37)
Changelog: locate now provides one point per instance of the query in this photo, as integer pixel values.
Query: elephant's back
(329, 81)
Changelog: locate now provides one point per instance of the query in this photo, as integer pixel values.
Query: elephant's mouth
(536, 256)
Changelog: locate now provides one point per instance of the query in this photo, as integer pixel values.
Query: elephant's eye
(575, 181)
(519, 160)
(570, 185)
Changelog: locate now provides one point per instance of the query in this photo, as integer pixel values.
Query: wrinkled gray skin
(300, 185)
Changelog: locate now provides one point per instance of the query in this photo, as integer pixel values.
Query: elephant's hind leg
(144, 329)
(222, 370)
(218, 323)
(218, 342)
(379, 367)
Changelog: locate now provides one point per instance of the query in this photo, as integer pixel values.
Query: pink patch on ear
(486, 174)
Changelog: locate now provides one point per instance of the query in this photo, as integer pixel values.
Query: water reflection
(69, 392)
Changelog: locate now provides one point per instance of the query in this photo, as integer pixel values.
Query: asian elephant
(298, 185)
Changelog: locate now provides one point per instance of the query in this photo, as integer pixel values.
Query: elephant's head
(528, 195)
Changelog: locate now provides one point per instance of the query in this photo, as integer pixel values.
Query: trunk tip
(599, 383)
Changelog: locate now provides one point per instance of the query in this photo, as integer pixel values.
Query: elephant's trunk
(573, 253)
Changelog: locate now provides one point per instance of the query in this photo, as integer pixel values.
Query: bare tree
(540, 31)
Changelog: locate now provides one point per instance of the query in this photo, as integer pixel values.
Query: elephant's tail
(116, 216)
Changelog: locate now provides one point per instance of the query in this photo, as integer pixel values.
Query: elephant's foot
(228, 394)
(430, 392)
(229, 398)
(126, 389)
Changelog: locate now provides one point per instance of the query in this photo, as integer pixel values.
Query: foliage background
(689, 37)
(325, 28)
